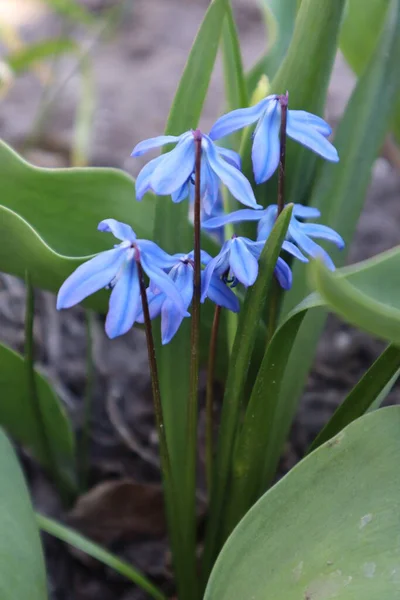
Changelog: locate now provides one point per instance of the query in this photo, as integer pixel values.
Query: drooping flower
(182, 276)
(174, 172)
(299, 238)
(304, 127)
(117, 269)
(237, 261)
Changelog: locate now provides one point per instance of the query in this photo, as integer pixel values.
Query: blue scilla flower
(299, 236)
(307, 129)
(237, 261)
(174, 172)
(117, 269)
(182, 276)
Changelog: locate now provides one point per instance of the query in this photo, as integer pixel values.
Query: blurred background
(81, 82)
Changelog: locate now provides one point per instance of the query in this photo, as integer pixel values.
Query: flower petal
(237, 216)
(232, 157)
(309, 247)
(120, 230)
(210, 188)
(175, 168)
(305, 212)
(222, 295)
(143, 179)
(243, 264)
(234, 179)
(155, 302)
(171, 319)
(283, 274)
(219, 263)
(294, 251)
(312, 139)
(162, 281)
(157, 255)
(182, 276)
(303, 118)
(266, 144)
(181, 193)
(124, 302)
(154, 142)
(237, 119)
(90, 277)
(322, 232)
(267, 223)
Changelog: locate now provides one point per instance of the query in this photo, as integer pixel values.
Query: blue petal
(210, 185)
(152, 143)
(237, 216)
(222, 295)
(90, 277)
(322, 232)
(243, 264)
(294, 251)
(234, 180)
(266, 144)
(266, 224)
(156, 255)
(305, 212)
(182, 276)
(120, 230)
(143, 184)
(255, 248)
(309, 247)
(219, 264)
(171, 319)
(155, 302)
(162, 282)
(230, 156)
(283, 274)
(175, 168)
(181, 193)
(237, 119)
(124, 302)
(302, 118)
(315, 141)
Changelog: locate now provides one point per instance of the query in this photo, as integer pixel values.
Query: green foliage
(22, 572)
(73, 538)
(23, 59)
(328, 529)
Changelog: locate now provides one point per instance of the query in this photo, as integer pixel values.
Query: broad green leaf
(339, 193)
(362, 25)
(22, 571)
(384, 371)
(72, 9)
(249, 324)
(77, 540)
(22, 60)
(280, 18)
(329, 529)
(19, 417)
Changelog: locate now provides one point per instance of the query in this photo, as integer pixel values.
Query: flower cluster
(171, 277)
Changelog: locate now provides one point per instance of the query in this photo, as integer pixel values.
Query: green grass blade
(71, 537)
(23, 59)
(363, 395)
(250, 317)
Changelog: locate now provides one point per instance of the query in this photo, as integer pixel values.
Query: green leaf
(22, 571)
(361, 28)
(72, 10)
(339, 193)
(329, 529)
(249, 323)
(384, 371)
(22, 60)
(19, 418)
(280, 18)
(110, 560)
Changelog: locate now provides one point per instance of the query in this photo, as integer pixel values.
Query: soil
(137, 64)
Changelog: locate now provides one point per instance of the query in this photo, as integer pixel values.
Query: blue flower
(304, 127)
(299, 235)
(182, 276)
(174, 172)
(117, 269)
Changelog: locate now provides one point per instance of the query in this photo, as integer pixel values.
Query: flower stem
(210, 397)
(165, 460)
(283, 101)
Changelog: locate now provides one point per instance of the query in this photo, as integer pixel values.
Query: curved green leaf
(329, 529)
(18, 417)
(22, 59)
(77, 540)
(22, 571)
